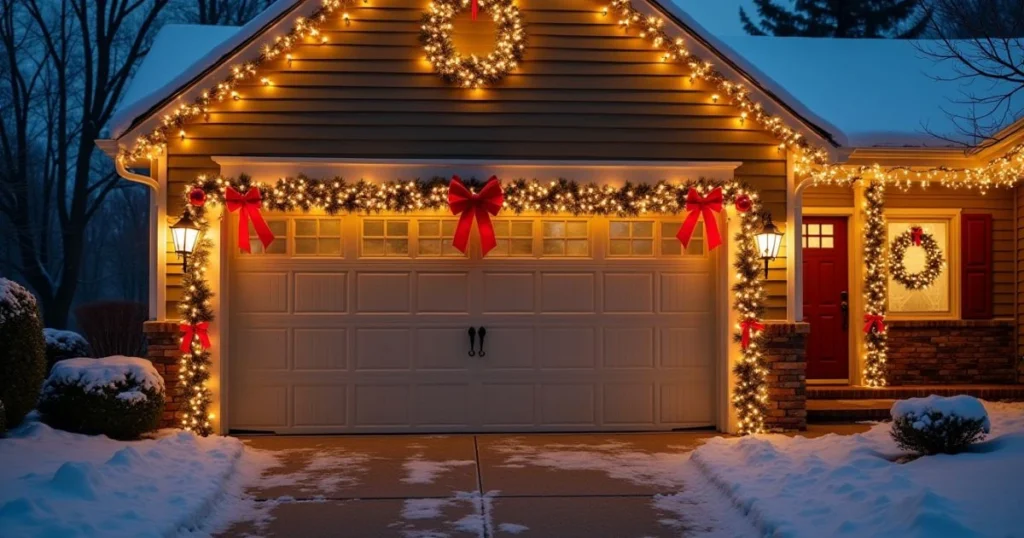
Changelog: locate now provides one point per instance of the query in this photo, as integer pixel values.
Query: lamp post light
(768, 242)
(185, 234)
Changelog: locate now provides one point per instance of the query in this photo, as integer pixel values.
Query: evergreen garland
(195, 308)
(875, 293)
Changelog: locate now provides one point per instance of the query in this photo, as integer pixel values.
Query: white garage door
(360, 324)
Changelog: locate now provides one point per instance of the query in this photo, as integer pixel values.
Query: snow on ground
(420, 471)
(60, 484)
(849, 485)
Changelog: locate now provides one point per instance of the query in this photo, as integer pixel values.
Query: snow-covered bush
(61, 345)
(938, 425)
(22, 352)
(120, 397)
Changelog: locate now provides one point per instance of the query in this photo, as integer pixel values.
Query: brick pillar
(786, 354)
(162, 341)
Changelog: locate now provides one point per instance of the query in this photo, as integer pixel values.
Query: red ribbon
(480, 205)
(191, 331)
(874, 322)
(916, 233)
(700, 206)
(248, 207)
(475, 8)
(749, 325)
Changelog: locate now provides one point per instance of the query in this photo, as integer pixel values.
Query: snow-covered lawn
(59, 484)
(849, 485)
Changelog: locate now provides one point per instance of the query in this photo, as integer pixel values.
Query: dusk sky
(721, 17)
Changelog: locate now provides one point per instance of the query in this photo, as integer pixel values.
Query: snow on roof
(176, 48)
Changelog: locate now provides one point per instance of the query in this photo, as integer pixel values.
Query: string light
(875, 285)
(336, 195)
(473, 71)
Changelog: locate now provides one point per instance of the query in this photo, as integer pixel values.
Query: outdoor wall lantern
(768, 242)
(185, 234)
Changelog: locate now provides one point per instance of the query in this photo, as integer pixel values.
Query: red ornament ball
(197, 197)
(744, 203)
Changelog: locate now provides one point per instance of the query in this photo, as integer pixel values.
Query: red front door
(826, 301)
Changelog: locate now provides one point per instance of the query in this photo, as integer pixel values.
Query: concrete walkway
(565, 486)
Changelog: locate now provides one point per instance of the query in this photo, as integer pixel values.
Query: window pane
(305, 227)
(330, 246)
(671, 247)
(430, 247)
(619, 247)
(643, 247)
(827, 242)
(448, 249)
(936, 298)
(373, 247)
(374, 228)
(279, 227)
(577, 228)
(805, 241)
(695, 248)
(577, 247)
(814, 229)
(522, 228)
(501, 250)
(522, 247)
(397, 247)
(618, 230)
(826, 229)
(500, 228)
(814, 242)
(398, 228)
(279, 246)
(670, 229)
(448, 227)
(554, 247)
(643, 229)
(554, 228)
(430, 228)
(305, 246)
(330, 227)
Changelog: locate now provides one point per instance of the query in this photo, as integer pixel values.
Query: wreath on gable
(934, 261)
(473, 71)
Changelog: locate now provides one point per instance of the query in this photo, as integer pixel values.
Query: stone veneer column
(786, 354)
(162, 341)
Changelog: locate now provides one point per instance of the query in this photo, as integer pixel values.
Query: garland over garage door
(360, 324)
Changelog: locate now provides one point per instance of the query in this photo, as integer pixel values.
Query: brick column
(786, 354)
(162, 341)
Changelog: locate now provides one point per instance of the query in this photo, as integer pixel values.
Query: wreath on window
(934, 261)
(473, 71)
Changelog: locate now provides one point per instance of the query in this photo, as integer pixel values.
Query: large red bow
(475, 8)
(191, 331)
(481, 205)
(916, 233)
(700, 206)
(875, 322)
(248, 207)
(749, 325)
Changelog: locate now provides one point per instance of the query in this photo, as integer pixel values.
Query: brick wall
(786, 354)
(163, 339)
(951, 352)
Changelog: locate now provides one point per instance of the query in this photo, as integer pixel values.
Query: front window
(937, 300)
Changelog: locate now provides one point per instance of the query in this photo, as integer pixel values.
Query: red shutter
(976, 266)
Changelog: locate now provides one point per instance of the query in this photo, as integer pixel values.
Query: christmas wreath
(473, 71)
(934, 261)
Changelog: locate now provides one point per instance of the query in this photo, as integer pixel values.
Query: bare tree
(67, 64)
(224, 12)
(984, 42)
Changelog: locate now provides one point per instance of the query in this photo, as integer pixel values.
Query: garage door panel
(567, 347)
(629, 403)
(629, 293)
(442, 293)
(683, 347)
(509, 404)
(628, 347)
(689, 401)
(383, 348)
(322, 406)
(383, 293)
(261, 349)
(441, 348)
(321, 293)
(568, 404)
(442, 405)
(258, 405)
(382, 405)
(508, 293)
(261, 292)
(321, 349)
(686, 292)
(508, 348)
(563, 293)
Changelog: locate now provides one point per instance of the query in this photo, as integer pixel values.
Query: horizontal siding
(586, 91)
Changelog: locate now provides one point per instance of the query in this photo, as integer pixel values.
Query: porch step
(848, 404)
(836, 410)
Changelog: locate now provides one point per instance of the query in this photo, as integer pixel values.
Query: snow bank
(54, 483)
(94, 375)
(919, 409)
(849, 485)
(64, 341)
(14, 300)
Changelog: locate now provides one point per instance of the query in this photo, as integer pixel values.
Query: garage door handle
(483, 333)
(472, 341)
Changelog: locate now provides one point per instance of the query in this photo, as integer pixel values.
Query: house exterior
(583, 318)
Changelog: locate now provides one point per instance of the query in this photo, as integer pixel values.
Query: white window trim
(952, 216)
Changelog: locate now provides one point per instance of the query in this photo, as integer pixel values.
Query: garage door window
(514, 238)
(318, 237)
(279, 227)
(385, 238)
(631, 238)
(566, 238)
(670, 245)
(435, 239)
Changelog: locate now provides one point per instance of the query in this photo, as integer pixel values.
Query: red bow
(191, 331)
(249, 206)
(749, 325)
(475, 8)
(700, 206)
(874, 322)
(916, 233)
(481, 205)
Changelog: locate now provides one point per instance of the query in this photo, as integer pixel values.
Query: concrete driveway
(565, 486)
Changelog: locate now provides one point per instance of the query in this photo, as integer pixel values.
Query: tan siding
(1019, 264)
(586, 91)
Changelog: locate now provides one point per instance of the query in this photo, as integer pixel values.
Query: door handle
(483, 334)
(472, 341)
(844, 307)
